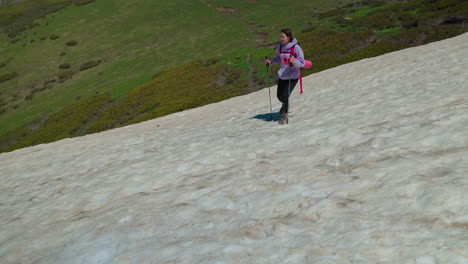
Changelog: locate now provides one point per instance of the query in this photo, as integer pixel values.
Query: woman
(291, 57)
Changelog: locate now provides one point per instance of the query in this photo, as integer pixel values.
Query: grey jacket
(287, 72)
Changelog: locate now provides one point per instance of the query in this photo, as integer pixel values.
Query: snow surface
(372, 168)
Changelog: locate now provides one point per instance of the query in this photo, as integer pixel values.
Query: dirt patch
(267, 45)
(227, 10)
(262, 37)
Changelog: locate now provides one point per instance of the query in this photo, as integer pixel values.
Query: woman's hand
(292, 59)
(267, 61)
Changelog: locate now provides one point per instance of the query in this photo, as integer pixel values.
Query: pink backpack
(308, 63)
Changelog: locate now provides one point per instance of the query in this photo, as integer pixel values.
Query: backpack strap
(291, 50)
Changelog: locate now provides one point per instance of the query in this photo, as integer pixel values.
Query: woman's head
(286, 36)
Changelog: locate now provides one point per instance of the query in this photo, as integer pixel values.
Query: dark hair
(288, 33)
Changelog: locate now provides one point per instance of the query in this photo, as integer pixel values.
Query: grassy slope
(134, 39)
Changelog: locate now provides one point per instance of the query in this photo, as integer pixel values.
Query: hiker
(291, 57)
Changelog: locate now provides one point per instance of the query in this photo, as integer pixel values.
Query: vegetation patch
(89, 65)
(64, 66)
(72, 43)
(62, 124)
(82, 2)
(16, 19)
(63, 76)
(184, 87)
(8, 76)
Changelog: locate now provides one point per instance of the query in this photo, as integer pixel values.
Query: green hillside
(133, 39)
(108, 63)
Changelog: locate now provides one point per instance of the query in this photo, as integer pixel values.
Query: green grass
(134, 39)
(366, 11)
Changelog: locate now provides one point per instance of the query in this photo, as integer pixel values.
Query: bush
(72, 43)
(184, 87)
(62, 54)
(33, 25)
(88, 65)
(54, 37)
(65, 76)
(64, 66)
(67, 122)
(407, 20)
(2, 65)
(36, 90)
(49, 83)
(29, 97)
(442, 32)
(8, 76)
(16, 19)
(376, 20)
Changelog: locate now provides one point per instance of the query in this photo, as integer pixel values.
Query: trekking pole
(289, 87)
(269, 91)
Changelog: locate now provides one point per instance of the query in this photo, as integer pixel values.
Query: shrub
(187, 86)
(2, 65)
(2, 110)
(407, 20)
(210, 61)
(376, 20)
(54, 37)
(16, 19)
(33, 25)
(42, 38)
(72, 43)
(62, 54)
(29, 97)
(49, 83)
(8, 76)
(65, 76)
(64, 66)
(332, 13)
(442, 32)
(88, 65)
(35, 90)
(67, 122)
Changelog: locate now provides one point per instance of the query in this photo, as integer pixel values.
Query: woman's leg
(283, 93)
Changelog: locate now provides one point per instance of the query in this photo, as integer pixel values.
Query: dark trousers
(284, 91)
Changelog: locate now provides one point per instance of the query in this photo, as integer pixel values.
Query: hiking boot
(284, 119)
